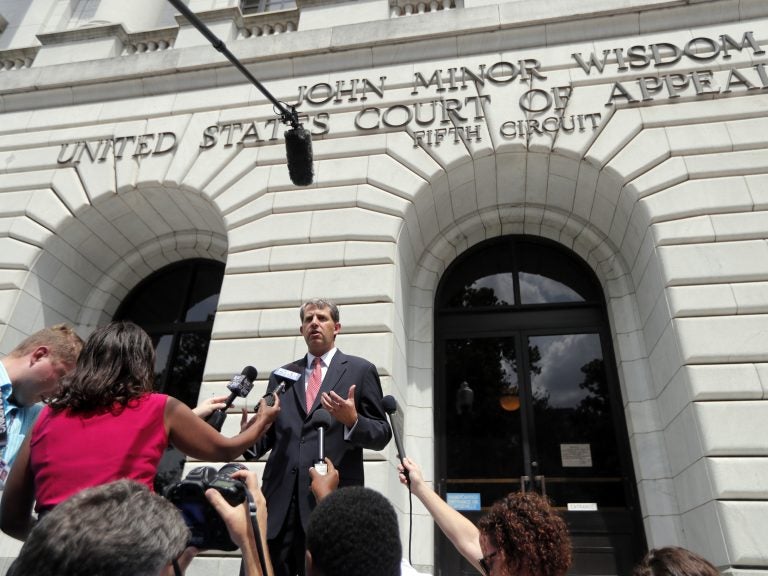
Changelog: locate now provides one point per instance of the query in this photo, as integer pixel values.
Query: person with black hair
(353, 532)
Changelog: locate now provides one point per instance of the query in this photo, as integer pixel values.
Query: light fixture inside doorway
(510, 398)
(465, 398)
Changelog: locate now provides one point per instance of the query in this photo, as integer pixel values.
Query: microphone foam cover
(321, 418)
(250, 373)
(389, 404)
(242, 384)
(298, 152)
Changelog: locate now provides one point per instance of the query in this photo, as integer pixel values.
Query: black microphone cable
(390, 408)
(410, 523)
(256, 535)
(298, 141)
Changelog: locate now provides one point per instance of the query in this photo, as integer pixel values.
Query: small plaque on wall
(466, 501)
(582, 507)
(576, 455)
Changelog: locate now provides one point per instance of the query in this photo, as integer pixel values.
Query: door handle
(542, 481)
(524, 483)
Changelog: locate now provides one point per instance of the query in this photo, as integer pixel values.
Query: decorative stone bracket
(399, 8)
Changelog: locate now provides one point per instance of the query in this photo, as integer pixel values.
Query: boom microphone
(298, 143)
(390, 407)
(321, 420)
(240, 386)
(298, 152)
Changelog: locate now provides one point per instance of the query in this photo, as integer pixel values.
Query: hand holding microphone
(323, 484)
(267, 410)
(240, 385)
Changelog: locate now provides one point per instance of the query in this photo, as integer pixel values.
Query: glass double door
(537, 410)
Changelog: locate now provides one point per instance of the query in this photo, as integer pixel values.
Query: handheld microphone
(298, 152)
(287, 377)
(240, 385)
(321, 420)
(390, 407)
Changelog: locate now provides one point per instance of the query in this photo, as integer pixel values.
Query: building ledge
(18, 58)
(523, 24)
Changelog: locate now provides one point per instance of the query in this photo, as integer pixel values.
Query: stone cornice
(537, 18)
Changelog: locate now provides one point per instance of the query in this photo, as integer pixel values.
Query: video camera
(207, 528)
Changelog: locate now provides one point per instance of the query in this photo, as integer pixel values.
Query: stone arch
(645, 202)
(84, 256)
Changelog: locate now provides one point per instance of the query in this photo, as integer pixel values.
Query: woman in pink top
(105, 423)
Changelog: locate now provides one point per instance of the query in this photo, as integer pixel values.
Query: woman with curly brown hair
(105, 423)
(522, 535)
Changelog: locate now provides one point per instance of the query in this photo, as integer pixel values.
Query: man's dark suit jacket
(294, 441)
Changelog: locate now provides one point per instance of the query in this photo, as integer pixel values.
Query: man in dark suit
(349, 388)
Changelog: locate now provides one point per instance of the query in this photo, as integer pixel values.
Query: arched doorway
(176, 306)
(527, 398)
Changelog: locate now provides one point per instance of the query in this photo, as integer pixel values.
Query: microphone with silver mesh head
(321, 420)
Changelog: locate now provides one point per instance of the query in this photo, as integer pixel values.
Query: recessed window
(176, 307)
(518, 272)
(253, 6)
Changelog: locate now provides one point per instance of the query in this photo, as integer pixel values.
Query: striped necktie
(315, 379)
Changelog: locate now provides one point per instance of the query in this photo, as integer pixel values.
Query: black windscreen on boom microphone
(298, 142)
(298, 152)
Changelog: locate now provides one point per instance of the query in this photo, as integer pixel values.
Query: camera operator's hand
(238, 522)
(322, 485)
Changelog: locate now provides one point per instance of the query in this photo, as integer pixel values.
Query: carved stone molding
(399, 8)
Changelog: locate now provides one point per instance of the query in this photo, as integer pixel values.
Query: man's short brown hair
(62, 341)
(320, 303)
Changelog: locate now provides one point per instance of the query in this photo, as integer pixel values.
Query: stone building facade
(631, 134)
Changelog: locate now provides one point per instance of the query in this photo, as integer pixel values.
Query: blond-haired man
(29, 373)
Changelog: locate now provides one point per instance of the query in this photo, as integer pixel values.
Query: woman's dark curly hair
(116, 366)
(530, 534)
